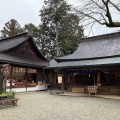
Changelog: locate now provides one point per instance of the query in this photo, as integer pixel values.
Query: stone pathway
(43, 106)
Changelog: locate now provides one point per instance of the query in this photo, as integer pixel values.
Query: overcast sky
(27, 11)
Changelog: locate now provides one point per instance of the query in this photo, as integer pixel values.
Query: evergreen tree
(36, 32)
(60, 28)
(11, 28)
(32, 29)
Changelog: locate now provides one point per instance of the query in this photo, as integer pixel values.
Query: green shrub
(8, 93)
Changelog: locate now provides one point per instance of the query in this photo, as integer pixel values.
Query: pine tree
(11, 28)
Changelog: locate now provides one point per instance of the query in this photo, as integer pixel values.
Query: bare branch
(115, 6)
(88, 24)
(108, 14)
(98, 5)
(100, 15)
(91, 28)
(101, 12)
(88, 15)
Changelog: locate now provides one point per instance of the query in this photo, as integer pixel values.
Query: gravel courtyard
(43, 106)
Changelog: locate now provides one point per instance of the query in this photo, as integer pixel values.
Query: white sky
(27, 11)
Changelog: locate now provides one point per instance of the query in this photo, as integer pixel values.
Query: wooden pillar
(71, 81)
(38, 77)
(63, 80)
(45, 82)
(62, 85)
(68, 79)
(74, 79)
(11, 80)
(26, 77)
(50, 82)
(5, 83)
(55, 83)
(1, 81)
(98, 77)
(94, 79)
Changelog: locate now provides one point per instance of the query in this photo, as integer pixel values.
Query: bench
(8, 102)
(92, 89)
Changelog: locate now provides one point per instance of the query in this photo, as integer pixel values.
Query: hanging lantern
(21, 69)
(59, 79)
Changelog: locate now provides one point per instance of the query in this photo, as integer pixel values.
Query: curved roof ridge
(96, 47)
(24, 33)
(98, 37)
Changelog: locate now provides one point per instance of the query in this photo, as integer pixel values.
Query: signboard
(56, 70)
(59, 79)
(6, 71)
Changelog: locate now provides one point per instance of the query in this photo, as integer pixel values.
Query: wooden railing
(93, 89)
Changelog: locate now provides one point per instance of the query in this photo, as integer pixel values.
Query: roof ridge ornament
(29, 33)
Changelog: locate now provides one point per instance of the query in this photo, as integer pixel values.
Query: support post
(5, 83)
(45, 82)
(94, 79)
(1, 82)
(70, 81)
(62, 86)
(98, 77)
(74, 79)
(26, 78)
(50, 83)
(11, 79)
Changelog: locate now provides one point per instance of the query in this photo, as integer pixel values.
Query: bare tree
(104, 12)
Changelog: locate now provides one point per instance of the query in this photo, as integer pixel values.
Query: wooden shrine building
(25, 60)
(95, 62)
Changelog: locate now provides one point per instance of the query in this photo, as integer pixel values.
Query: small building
(96, 62)
(25, 60)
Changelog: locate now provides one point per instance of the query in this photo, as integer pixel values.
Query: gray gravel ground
(43, 106)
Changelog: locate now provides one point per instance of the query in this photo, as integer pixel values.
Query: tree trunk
(57, 42)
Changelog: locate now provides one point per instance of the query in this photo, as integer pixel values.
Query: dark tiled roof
(86, 63)
(96, 47)
(94, 51)
(19, 60)
(8, 44)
